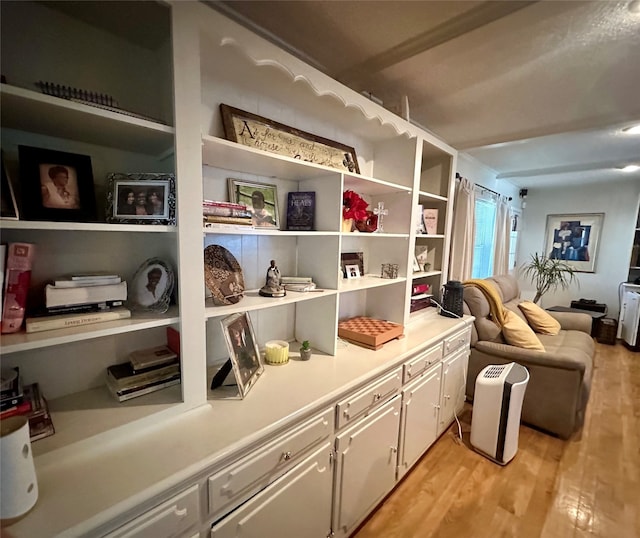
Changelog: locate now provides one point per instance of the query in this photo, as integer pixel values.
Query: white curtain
(461, 258)
(502, 237)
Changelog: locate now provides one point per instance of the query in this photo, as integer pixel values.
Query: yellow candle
(276, 352)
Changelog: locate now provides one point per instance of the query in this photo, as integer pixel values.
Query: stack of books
(146, 371)
(81, 299)
(420, 297)
(25, 401)
(225, 214)
(298, 283)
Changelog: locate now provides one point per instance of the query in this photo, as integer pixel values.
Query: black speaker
(452, 298)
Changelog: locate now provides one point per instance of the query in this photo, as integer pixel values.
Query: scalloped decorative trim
(399, 128)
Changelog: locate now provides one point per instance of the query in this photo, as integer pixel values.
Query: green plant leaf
(548, 274)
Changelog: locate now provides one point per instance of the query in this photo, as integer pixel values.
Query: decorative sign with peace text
(261, 133)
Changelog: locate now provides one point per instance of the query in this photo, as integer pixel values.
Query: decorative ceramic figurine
(273, 287)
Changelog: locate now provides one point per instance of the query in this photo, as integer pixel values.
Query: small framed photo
(9, 209)
(416, 265)
(351, 258)
(352, 271)
(243, 350)
(260, 198)
(144, 198)
(151, 287)
(56, 186)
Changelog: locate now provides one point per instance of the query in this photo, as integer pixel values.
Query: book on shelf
(242, 221)
(71, 282)
(225, 226)
(122, 375)
(12, 392)
(127, 394)
(430, 216)
(40, 423)
(20, 409)
(304, 286)
(301, 209)
(85, 294)
(217, 211)
(17, 279)
(218, 203)
(102, 306)
(173, 340)
(295, 279)
(3, 260)
(92, 276)
(63, 321)
(143, 359)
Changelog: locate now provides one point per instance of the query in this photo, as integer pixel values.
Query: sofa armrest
(530, 356)
(573, 321)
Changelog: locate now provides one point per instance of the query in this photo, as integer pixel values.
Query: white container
(19, 486)
(276, 352)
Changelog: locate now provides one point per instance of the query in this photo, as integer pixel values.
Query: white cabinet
(169, 520)
(366, 457)
(452, 397)
(420, 412)
(296, 505)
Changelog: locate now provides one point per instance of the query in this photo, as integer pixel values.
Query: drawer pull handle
(436, 406)
(394, 450)
(286, 456)
(377, 396)
(180, 512)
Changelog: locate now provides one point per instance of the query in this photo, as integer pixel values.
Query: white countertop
(87, 489)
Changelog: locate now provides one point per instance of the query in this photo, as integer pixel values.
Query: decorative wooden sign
(257, 132)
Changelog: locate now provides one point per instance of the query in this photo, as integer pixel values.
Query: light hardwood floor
(588, 486)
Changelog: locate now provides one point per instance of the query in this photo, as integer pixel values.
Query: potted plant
(305, 350)
(548, 274)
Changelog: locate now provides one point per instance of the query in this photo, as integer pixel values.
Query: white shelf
(430, 236)
(26, 110)
(372, 186)
(376, 235)
(424, 274)
(253, 301)
(92, 412)
(263, 231)
(431, 196)
(85, 226)
(367, 282)
(13, 343)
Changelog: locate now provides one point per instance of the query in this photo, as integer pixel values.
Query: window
(484, 237)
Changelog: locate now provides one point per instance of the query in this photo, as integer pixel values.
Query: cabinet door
(365, 466)
(419, 429)
(294, 506)
(454, 377)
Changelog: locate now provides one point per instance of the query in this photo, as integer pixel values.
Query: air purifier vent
(494, 371)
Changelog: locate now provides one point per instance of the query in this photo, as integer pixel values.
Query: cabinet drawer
(368, 398)
(238, 482)
(458, 340)
(168, 520)
(418, 364)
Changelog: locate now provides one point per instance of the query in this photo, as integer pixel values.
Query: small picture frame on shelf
(151, 287)
(243, 350)
(56, 186)
(143, 198)
(9, 210)
(261, 200)
(351, 258)
(416, 265)
(352, 271)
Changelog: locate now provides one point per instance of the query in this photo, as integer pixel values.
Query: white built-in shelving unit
(194, 60)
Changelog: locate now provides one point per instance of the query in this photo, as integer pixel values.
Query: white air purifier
(497, 404)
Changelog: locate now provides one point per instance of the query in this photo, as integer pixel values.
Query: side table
(595, 316)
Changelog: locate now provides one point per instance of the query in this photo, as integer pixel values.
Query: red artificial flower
(353, 207)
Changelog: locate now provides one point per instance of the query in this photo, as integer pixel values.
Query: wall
(619, 203)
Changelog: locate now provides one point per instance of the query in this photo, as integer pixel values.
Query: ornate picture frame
(143, 198)
(243, 350)
(151, 287)
(261, 133)
(574, 238)
(56, 186)
(260, 198)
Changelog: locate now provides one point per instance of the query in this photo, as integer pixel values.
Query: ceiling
(538, 91)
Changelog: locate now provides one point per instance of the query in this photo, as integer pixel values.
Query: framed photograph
(574, 238)
(151, 287)
(243, 350)
(352, 271)
(56, 186)
(351, 258)
(9, 209)
(416, 265)
(260, 198)
(255, 131)
(145, 198)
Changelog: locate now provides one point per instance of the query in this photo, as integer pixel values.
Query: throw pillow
(517, 333)
(540, 320)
